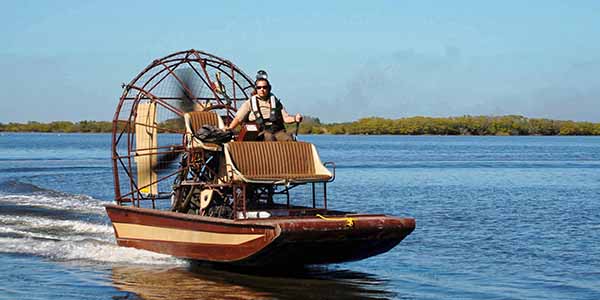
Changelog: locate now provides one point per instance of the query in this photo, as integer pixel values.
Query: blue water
(497, 218)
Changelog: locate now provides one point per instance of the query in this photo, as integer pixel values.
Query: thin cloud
(408, 83)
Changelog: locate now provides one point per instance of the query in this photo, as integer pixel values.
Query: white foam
(73, 202)
(65, 228)
(26, 233)
(68, 240)
(87, 250)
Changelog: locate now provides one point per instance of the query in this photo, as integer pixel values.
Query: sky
(335, 60)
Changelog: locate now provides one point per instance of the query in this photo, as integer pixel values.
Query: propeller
(186, 103)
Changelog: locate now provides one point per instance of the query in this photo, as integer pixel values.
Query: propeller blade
(166, 160)
(184, 90)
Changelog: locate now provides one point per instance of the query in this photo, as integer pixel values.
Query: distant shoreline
(464, 126)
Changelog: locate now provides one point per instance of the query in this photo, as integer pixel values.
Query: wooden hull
(258, 242)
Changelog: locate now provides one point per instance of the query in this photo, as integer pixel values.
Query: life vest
(274, 122)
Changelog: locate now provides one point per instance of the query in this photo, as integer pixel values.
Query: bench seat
(275, 162)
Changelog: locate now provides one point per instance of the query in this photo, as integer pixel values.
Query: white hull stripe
(144, 232)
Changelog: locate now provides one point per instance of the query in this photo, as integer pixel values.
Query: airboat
(236, 201)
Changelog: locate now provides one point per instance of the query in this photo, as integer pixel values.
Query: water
(497, 218)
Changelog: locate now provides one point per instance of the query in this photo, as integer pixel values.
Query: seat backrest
(277, 160)
(196, 119)
(264, 158)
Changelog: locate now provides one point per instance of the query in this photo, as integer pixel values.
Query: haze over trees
(465, 125)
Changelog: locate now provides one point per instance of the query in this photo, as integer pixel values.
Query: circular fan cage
(149, 131)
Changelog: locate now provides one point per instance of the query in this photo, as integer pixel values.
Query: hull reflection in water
(202, 281)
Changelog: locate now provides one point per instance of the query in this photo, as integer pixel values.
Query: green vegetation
(465, 125)
(58, 126)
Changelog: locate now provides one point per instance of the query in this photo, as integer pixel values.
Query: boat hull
(258, 242)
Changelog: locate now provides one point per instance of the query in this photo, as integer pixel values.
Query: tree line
(465, 125)
(58, 126)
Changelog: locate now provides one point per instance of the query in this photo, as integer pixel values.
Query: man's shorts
(280, 135)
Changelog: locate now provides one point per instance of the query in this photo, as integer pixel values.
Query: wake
(63, 227)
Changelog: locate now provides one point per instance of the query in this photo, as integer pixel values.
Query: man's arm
(290, 119)
(241, 114)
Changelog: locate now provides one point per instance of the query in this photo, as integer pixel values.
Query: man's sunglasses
(261, 87)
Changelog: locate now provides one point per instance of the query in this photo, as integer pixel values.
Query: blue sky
(337, 60)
